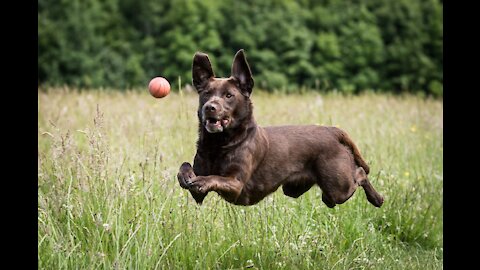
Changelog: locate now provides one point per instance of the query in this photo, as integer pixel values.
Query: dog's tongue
(213, 122)
(213, 126)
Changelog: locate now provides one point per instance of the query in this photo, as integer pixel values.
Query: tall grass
(108, 197)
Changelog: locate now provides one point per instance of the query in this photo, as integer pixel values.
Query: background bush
(350, 46)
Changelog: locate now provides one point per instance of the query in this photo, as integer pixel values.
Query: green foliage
(350, 46)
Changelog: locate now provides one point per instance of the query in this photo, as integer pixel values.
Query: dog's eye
(228, 95)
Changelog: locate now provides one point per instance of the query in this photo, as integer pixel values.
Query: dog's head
(224, 102)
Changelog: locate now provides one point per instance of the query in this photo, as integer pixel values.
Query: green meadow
(108, 197)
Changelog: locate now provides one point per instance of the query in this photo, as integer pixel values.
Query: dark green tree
(327, 44)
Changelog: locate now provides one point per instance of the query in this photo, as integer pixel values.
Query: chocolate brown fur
(244, 162)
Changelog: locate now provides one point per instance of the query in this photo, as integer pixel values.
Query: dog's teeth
(213, 122)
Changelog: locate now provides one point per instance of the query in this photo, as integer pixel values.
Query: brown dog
(244, 162)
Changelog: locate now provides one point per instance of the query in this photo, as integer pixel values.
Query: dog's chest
(221, 163)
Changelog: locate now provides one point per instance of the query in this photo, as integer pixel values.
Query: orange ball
(159, 87)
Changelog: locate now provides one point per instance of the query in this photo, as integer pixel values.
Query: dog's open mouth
(214, 125)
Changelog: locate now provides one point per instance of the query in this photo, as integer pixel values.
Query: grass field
(108, 197)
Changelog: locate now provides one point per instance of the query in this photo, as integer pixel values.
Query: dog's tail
(345, 140)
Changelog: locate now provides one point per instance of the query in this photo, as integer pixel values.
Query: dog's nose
(211, 107)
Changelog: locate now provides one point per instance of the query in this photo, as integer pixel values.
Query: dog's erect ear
(241, 72)
(201, 70)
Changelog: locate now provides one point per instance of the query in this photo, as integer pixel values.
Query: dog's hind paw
(377, 200)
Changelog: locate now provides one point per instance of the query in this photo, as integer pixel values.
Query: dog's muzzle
(213, 117)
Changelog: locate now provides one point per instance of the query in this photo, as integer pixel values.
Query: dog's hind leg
(372, 195)
(297, 184)
(327, 201)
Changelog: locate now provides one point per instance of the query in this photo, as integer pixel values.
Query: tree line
(345, 45)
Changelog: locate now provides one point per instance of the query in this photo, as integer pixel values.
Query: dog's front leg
(199, 186)
(227, 187)
(184, 175)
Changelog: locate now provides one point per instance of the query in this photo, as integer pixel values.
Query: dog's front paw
(185, 175)
(198, 184)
